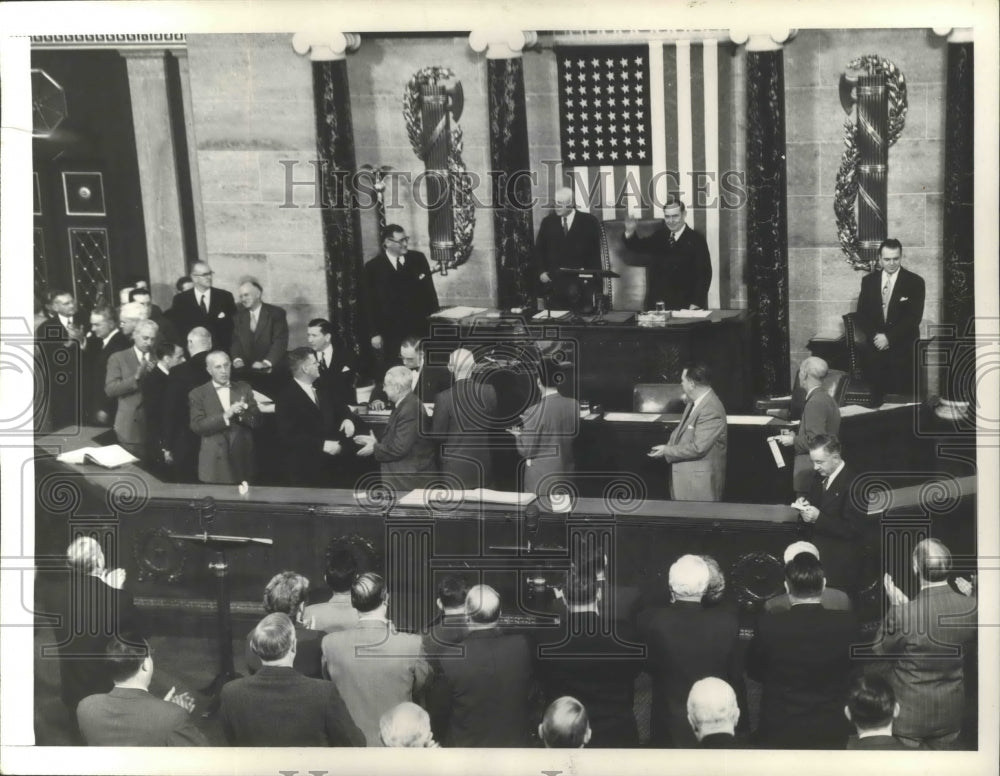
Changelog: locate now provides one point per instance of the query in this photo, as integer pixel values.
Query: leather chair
(835, 383)
(858, 389)
(627, 292)
(658, 397)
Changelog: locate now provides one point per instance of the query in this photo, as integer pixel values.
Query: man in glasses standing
(399, 293)
(205, 306)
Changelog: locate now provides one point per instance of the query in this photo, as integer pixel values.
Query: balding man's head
(932, 561)
(712, 707)
(689, 578)
(461, 363)
(565, 724)
(813, 369)
(482, 606)
(795, 548)
(406, 725)
(199, 340)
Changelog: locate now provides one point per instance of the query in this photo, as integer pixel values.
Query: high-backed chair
(658, 397)
(627, 292)
(835, 384)
(858, 390)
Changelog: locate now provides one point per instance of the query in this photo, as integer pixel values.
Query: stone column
(157, 157)
(513, 227)
(337, 166)
(767, 216)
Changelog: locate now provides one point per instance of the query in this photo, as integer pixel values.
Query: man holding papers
(126, 371)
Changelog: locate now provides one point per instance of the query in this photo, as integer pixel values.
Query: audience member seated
(336, 371)
(286, 593)
(129, 715)
(260, 331)
(182, 442)
(278, 706)
(485, 695)
(871, 708)
(586, 660)
(836, 522)
(831, 598)
(127, 370)
(406, 457)
(448, 627)
(685, 642)
(154, 401)
(464, 416)
(713, 712)
(95, 608)
(929, 637)
(716, 589)
(374, 666)
(406, 725)
(343, 564)
(104, 339)
(802, 657)
(565, 725)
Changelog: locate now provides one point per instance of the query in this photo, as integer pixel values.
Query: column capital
(324, 45)
(501, 43)
(762, 40)
(955, 34)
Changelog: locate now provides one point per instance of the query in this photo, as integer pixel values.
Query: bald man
(820, 415)
(205, 305)
(406, 725)
(567, 238)
(565, 725)
(464, 415)
(713, 713)
(260, 331)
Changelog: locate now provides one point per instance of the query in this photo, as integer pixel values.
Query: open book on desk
(421, 497)
(109, 457)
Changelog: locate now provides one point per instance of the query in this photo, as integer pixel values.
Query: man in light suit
(929, 637)
(260, 331)
(890, 308)
(205, 306)
(406, 457)
(126, 371)
(129, 715)
(224, 415)
(697, 447)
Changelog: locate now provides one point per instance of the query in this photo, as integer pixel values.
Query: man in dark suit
(871, 708)
(696, 449)
(205, 306)
(713, 712)
(278, 706)
(567, 238)
(182, 442)
(685, 642)
(803, 659)
(167, 331)
(129, 715)
(337, 374)
(154, 402)
(260, 331)
(224, 414)
(836, 520)
(929, 637)
(104, 339)
(58, 342)
(890, 308)
(678, 266)
(464, 417)
(485, 693)
(399, 293)
(428, 379)
(127, 370)
(315, 432)
(405, 456)
(287, 593)
(820, 415)
(586, 661)
(832, 598)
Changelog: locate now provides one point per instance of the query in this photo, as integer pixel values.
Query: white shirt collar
(697, 401)
(107, 339)
(159, 365)
(138, 353)
(832, 477)
(218, 387)
(327, 354)
(307, 387)
(569, 219)
(679, 232)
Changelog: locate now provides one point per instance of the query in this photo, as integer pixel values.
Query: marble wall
(822, 285)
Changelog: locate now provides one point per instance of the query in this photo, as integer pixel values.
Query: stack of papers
(633, 417)
(109, 457)
(459, 312)
(428, 497)
(546, 315)
(690, 313)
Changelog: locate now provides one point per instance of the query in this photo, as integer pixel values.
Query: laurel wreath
(846, 192)
(462, 204)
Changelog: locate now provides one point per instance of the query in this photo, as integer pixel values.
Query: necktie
(686, 415)
(826, 483)
(253, 321)
(204, 305)
(322, 362)
(399, 263)
(885, 297)
(565, 220)
(315, 399)
(670, 239)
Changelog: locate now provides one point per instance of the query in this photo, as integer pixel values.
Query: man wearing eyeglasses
(399, 292)
(205, 306)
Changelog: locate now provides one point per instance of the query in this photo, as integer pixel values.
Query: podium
(568, 275)
(219, 566)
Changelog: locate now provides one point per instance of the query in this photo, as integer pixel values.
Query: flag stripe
(659, 91)
(684, 137)
(669, 138)
(712, 222)
(699, 137)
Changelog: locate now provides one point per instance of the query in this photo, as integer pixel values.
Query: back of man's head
(199, 340)
(285, 592)
(815, 367)
(85, 555)
(712, 707)
(452, 592)
(804, 576)
(273, 637)
(581, 589)
(482, 605)
(368, 592)
(298, 358)
(406, 725)
(795, 548)
(125, 655)
(871, 703)
(689, 577)
(342, 565)
(932, 560)
(565, 724)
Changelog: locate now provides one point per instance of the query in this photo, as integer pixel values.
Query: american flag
(657, 121)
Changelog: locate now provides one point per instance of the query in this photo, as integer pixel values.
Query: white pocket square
(422, 276)
(904, 299)
(221, 315)
(346, 369)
